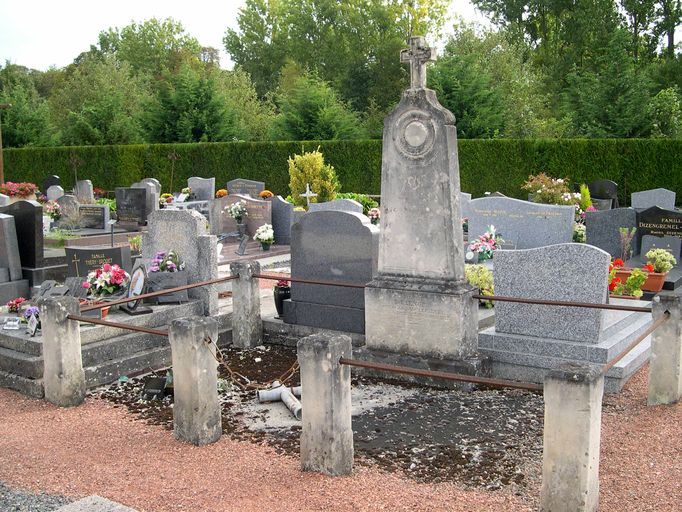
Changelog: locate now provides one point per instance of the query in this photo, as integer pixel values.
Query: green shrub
(367, 202)
(310, 169)
(110, 202)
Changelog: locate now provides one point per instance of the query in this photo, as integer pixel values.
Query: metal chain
(242, 382)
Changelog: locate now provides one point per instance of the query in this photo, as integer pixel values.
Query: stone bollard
(570, 456)
(196, 410)
(207, 270)
(247, 326)
(665, 364)
(327, 435)
(63, 375)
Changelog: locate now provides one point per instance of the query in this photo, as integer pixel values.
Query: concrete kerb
(63, 374)
(570, 458)
(665, 364)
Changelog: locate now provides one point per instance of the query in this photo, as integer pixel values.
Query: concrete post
(207, 270)
(570, 458)
(247, 326)
(665, 364)
(63, 375)
(327, 435)
(196, 410)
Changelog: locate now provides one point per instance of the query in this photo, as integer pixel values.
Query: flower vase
(241, 228)
(266, 247)
(281, 293)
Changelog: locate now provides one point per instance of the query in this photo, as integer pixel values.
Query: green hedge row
(486, 165)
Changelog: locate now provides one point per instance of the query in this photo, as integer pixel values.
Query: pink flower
(86, 285)
(106, 267)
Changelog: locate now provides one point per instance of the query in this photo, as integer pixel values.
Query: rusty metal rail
(441, 375)
(97, 321)
(654, 325)
(157, 294)
(588, 305)
(309, 281)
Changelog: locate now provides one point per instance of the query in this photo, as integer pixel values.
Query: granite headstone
(523, 224)
(4, 200)
(84, 192)
(246, 187)
(259, 213)
(281, 219)
(95, 216)
(338, 205)
(28, 221)
(602, 229)
(605, 192)
(155, 182)
(81, 260)
(564, 272)
(69, 205)
(152, 197)
(203, 188)
(131, 205)
(50, 181)
(54, 192)
(660, 222)
(670, 243)
(332, 246)
(9, 248)
(661, 197)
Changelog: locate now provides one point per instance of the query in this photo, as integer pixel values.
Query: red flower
(618, 263)
(648, 267)
(614, 283)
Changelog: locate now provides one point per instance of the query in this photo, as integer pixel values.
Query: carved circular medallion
(415, 134)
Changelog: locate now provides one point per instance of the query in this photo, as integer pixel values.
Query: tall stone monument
(419, 303)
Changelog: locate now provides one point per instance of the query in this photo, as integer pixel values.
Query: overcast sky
(43, 33)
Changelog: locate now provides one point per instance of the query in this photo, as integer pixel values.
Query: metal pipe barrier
(98, 321)
(441, 375)
(309, 281)
(654, 325)
(588, 305)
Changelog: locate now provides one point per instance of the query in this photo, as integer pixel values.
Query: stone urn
(281, 293)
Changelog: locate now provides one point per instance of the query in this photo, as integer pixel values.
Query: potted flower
(374, 215)
(189, 193)
(282, 291)
(221, 193)
(265, 235)
(238, 211)
(109, 282)
(265, 194)
(659, 261)
(29, 312)
(486, 243)
(631, 288)
(15, 305)
(166, 271)
(165, 200)
(52, 212)
(19, 191)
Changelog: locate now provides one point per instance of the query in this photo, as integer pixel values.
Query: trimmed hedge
(486, 165)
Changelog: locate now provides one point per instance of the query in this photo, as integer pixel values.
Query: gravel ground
(16, 500)
(99, 448)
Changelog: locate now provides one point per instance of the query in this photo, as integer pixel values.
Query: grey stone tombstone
(246, 187)
(564, 272)
(281, 219)
(152, 197)
(9, 248)
(419, 302)
(602, 229)
(332, 246)
(69, 205)
(203, 188)
(81, 260)
(51, 181)
(661, 197)
(658, 222)
(155, 182)
(54, 192)
(605, 192)
(28, 221)
(4, 200)
(259, 213)
(523, 224)
(669, 243)
(131, 205)
(84, 192)
(94, 216)
(338, 205)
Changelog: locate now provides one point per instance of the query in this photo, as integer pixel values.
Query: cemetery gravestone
(151, 199)
(9, 249)
(659, 197)
(670, 243)
(523, 224)
(54, 192)
(259, 213)
(203, 188)
(4, 200)
(94, 216)
(551, 272)
(245, 187)
(419, 302)
(349, 256)
(339, 205)
(51, 181)
(131, 205)
(69, 205)
(605, 192)
(82, 260)
(660, 222)
(84, 192)
(153, 181)
(281, 219)
(602, 229)
(28, 221)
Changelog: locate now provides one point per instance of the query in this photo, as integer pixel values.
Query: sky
(39, 34)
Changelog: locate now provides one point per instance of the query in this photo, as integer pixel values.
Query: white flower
(559, 180)
(265, 234)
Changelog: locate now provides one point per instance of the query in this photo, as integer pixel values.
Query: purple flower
(33, 310)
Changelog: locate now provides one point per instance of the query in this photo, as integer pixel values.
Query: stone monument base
(326, 316)
(421, 317)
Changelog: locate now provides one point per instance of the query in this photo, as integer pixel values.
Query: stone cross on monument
(308, 193)
(418, 55)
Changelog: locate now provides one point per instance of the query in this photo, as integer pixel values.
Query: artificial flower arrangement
(18, 189)
(106, 281)
(486, 243)
(52, 210)
(165, 199)
(221, 193)
(15, 305)
(167, 262)
(374, 215)
(41, 198)
(31, 311)
(237, 211)
(265, 194)
(282, 283)
(99, 193)
(265, 235)
(188, 191)
(660, 260)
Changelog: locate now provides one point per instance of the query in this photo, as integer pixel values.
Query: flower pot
(654, 282)
(623, 274)
(95, 313)
(629, 297)
(241, 228)
(265, 247)
(281, 294)
(158, 281)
